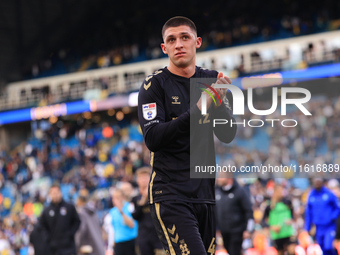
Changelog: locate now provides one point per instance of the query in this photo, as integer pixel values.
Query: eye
(185, 37)
(171, 40)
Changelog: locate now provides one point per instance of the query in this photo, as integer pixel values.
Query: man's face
(143, 180)
(318, 183)
(224, 180)
(117, 198)
(127, 189)
(180, 44)
(55, 195)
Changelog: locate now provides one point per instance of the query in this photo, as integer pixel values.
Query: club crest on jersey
(149, 111)
(63, 211)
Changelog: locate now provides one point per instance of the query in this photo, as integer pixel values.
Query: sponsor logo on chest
(175, 98)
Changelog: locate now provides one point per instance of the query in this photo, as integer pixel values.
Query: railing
(284, 54)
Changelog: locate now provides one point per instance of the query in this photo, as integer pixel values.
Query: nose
(179, 44)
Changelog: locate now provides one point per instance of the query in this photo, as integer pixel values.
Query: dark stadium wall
(3, 138)
(12, 135)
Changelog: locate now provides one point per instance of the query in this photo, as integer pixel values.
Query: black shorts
(125, 248)
(148, 244)
(282, 243)
(185, 228)
(233, 242)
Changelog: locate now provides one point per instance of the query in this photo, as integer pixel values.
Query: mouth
(179, 54)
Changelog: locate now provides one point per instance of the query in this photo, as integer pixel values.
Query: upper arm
(308, 207)
(75, 216)
(42, 220)
(136, 213)
(266, 214)
(81, 230)
(335, 201)
(246, 201)
(151, 110)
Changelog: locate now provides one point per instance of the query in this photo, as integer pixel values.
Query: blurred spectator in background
(336, 242)
(234, 213)
(127, 190)
(279, 216)
(39, 240)
(108, 228)
(89, 234)
(125, 227)
(5, 246)
(147, 241)
(60, 221)
(322, 210)
(333, 185)
(37, 157)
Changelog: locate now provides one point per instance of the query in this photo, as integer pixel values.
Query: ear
(198, 42)
(163, 48)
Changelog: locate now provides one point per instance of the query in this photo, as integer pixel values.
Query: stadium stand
(289, 20)
(84, 156)
(100, 150)
(269, 57)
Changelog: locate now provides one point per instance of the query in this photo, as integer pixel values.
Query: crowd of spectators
(314, 141)
(104, 156)
(79, 158)
(236, 24)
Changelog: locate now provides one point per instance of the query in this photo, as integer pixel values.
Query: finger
(220, 75)
(223, 92)
(219, 81)
(217, 90)
(227, 78)
(222, 81)
(220, 91)
(226, 81)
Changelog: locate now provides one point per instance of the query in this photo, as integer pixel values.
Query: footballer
(182, 208)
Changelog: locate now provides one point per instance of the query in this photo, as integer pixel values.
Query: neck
(56, 202)
(186, 72)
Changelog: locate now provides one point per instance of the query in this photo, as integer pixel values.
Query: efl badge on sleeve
(149, 111)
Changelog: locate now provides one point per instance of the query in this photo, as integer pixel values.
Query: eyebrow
(182, 33)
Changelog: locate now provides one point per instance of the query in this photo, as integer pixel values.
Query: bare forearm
(128, 221)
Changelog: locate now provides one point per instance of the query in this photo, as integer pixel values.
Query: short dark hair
(55, 184)
(179, 21)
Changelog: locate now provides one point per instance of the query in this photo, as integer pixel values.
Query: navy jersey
(164, 112)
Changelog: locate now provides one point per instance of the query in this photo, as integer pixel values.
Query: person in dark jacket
(234, 213)
(38, 240)
(60, 222)
(147, 239)
(89, 233)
